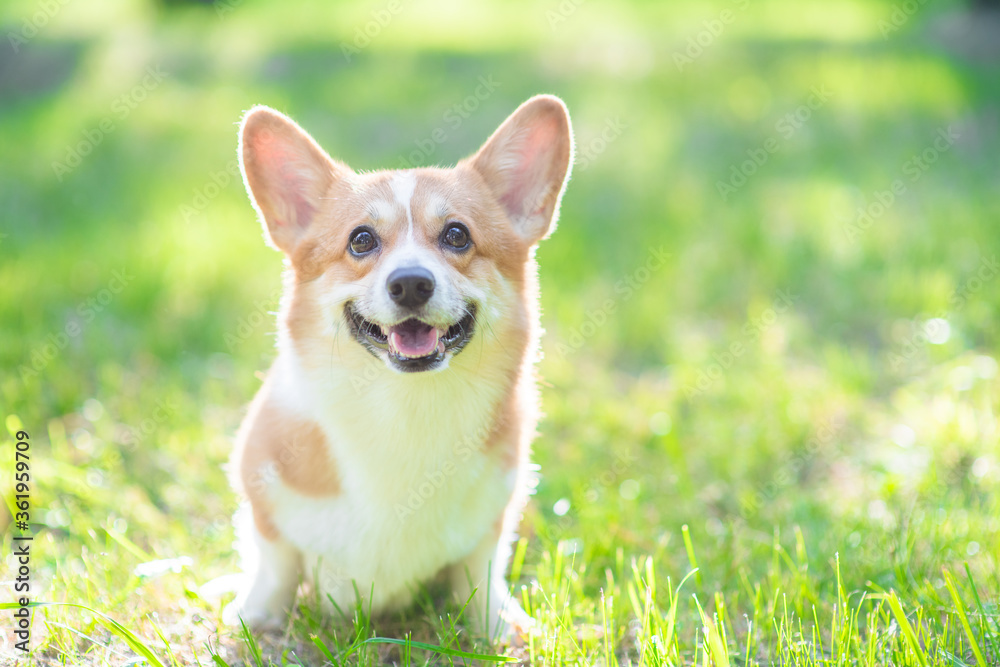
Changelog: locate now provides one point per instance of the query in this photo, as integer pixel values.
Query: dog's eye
(456, 235)
(363, 241)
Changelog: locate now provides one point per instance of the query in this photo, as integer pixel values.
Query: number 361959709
(22, 475)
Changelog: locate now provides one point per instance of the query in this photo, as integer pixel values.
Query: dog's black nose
(410, 287)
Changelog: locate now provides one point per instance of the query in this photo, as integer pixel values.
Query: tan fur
(272, 442)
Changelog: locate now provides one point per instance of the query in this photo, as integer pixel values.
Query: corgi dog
(389, 442)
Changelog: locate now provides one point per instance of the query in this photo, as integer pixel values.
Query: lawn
(770, 375)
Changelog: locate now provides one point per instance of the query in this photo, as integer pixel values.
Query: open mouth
(412, 345)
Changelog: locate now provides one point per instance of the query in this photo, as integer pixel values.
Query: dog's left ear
(526, 164)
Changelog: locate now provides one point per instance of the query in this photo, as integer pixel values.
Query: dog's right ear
(286, 174)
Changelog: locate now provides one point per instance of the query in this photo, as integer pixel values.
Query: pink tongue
(414, 339)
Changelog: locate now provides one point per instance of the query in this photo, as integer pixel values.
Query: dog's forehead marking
(436, 206)
(402, 185)
(379, 209)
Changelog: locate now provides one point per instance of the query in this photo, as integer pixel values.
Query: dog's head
(411, 264)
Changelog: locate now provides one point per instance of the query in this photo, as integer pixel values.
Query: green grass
(771, 432)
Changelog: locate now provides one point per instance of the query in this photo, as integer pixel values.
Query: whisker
(335, 349)
(492, 331)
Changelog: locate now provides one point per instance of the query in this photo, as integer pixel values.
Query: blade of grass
(440, 650)
(715, 647)
(689, 547)
(518, 561)
(321, 645)
(127, 544)
(904, 624)
(960, 609)
(604, 628)
(672, 614)
(251, 643)
(111, 624)
(166, 644)
(982, 611)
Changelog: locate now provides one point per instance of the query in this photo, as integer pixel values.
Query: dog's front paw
(257, 617)
(516, 634)
(513, 625)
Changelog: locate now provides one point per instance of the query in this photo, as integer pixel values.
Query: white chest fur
(419, 487)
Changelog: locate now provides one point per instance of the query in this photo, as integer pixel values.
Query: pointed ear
(286, 173)
(526, 164)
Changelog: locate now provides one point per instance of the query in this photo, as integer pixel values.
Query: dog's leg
(264, 602)
(492, 610)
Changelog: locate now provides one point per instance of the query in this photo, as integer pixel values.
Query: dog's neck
(418, 420)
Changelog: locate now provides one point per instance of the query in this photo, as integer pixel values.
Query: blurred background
(771, 303)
